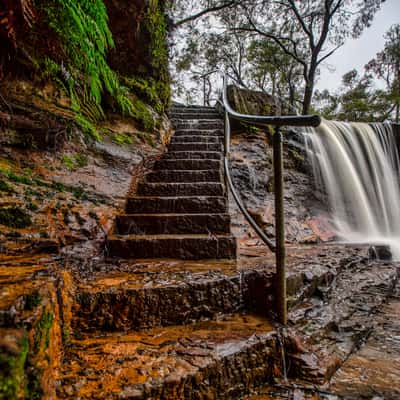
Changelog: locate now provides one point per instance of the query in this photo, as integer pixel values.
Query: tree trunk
(308, 92)
(309, 89)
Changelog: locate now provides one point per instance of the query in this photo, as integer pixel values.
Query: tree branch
(206, 11)
(328, 54)
(302, 23)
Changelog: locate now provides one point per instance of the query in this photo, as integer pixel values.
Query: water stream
(357, 166)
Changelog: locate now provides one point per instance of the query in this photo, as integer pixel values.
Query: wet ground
(136, 329)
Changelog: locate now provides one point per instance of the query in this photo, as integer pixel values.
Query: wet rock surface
(306, 220)
(85, 326)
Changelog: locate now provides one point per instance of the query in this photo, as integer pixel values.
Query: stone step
(196, 110)
(195, 204)
(146, 294)
(202, 132)
(195, 116)
(177, 176)
(175, 224)
(187, 247)
(201, 124)
(195, 146)
(222, 359)
(180, 189)
(195, 164)
(191, 155)
(197, 138)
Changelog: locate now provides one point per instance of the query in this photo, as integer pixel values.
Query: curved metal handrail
(234, 192)
(288, 120)
(279, 247)
(292, 120)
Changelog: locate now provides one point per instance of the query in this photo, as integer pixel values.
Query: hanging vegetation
(67, 41)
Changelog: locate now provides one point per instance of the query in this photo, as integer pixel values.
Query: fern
(82, 27)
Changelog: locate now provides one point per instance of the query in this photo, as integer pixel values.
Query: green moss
(14, 217)
(75, 161)
(32, 192)
(31, 206)
(147, 138)
(84, 35)
(79, 193)
(58, 186)
(122, 139)
(15, 177)
(12, 375)
(298, 160)
(156, 22)
(5, 187)
(68, 162)
(81, 160)
(43, 330)
(142, 114)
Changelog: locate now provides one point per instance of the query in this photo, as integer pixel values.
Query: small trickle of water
(357, 166)
(241, 301)
(283, 356)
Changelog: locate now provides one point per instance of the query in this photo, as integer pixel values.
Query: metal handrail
(277, 121)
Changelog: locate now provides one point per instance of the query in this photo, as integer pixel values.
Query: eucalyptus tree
(308, 31)
(358, 99)
(386, 66)
(274, 72)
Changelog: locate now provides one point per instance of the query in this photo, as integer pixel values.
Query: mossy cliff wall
(105, 55)
(140, 55)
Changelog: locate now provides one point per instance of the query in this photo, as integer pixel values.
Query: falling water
(357, 166)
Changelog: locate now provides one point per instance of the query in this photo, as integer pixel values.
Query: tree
(186, 11)
(386, 66)
(273, 71)
(207, 50)
(308, 31)
(358, 100)
(326, 104)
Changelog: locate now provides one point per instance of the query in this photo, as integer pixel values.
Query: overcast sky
(356, 53)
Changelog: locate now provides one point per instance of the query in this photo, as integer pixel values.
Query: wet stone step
(179, 155)
(202, 132)
(196, 204)
(196, 110)
(195, 164)
(185, 247)
(197, 138)
(195, 146)
(142, 294)
(180, 189)
(143, 224)
(201, 124)
(195, 115)
(118, 302)
(222, 359)
(177, 176)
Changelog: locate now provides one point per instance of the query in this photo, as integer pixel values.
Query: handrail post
(279, 228)
(227, 129)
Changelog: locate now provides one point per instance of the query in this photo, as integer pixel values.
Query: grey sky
(356, 53)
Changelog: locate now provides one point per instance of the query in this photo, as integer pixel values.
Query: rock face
(252, 102)
(134, 23)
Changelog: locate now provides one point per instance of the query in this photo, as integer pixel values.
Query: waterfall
(357, 166)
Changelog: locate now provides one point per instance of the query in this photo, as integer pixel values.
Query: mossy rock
(14, 347)
(15, 217)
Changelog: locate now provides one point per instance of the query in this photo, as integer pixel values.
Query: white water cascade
(357, 166)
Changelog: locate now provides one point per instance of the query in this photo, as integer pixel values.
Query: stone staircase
(173, 329)
(180, 209)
